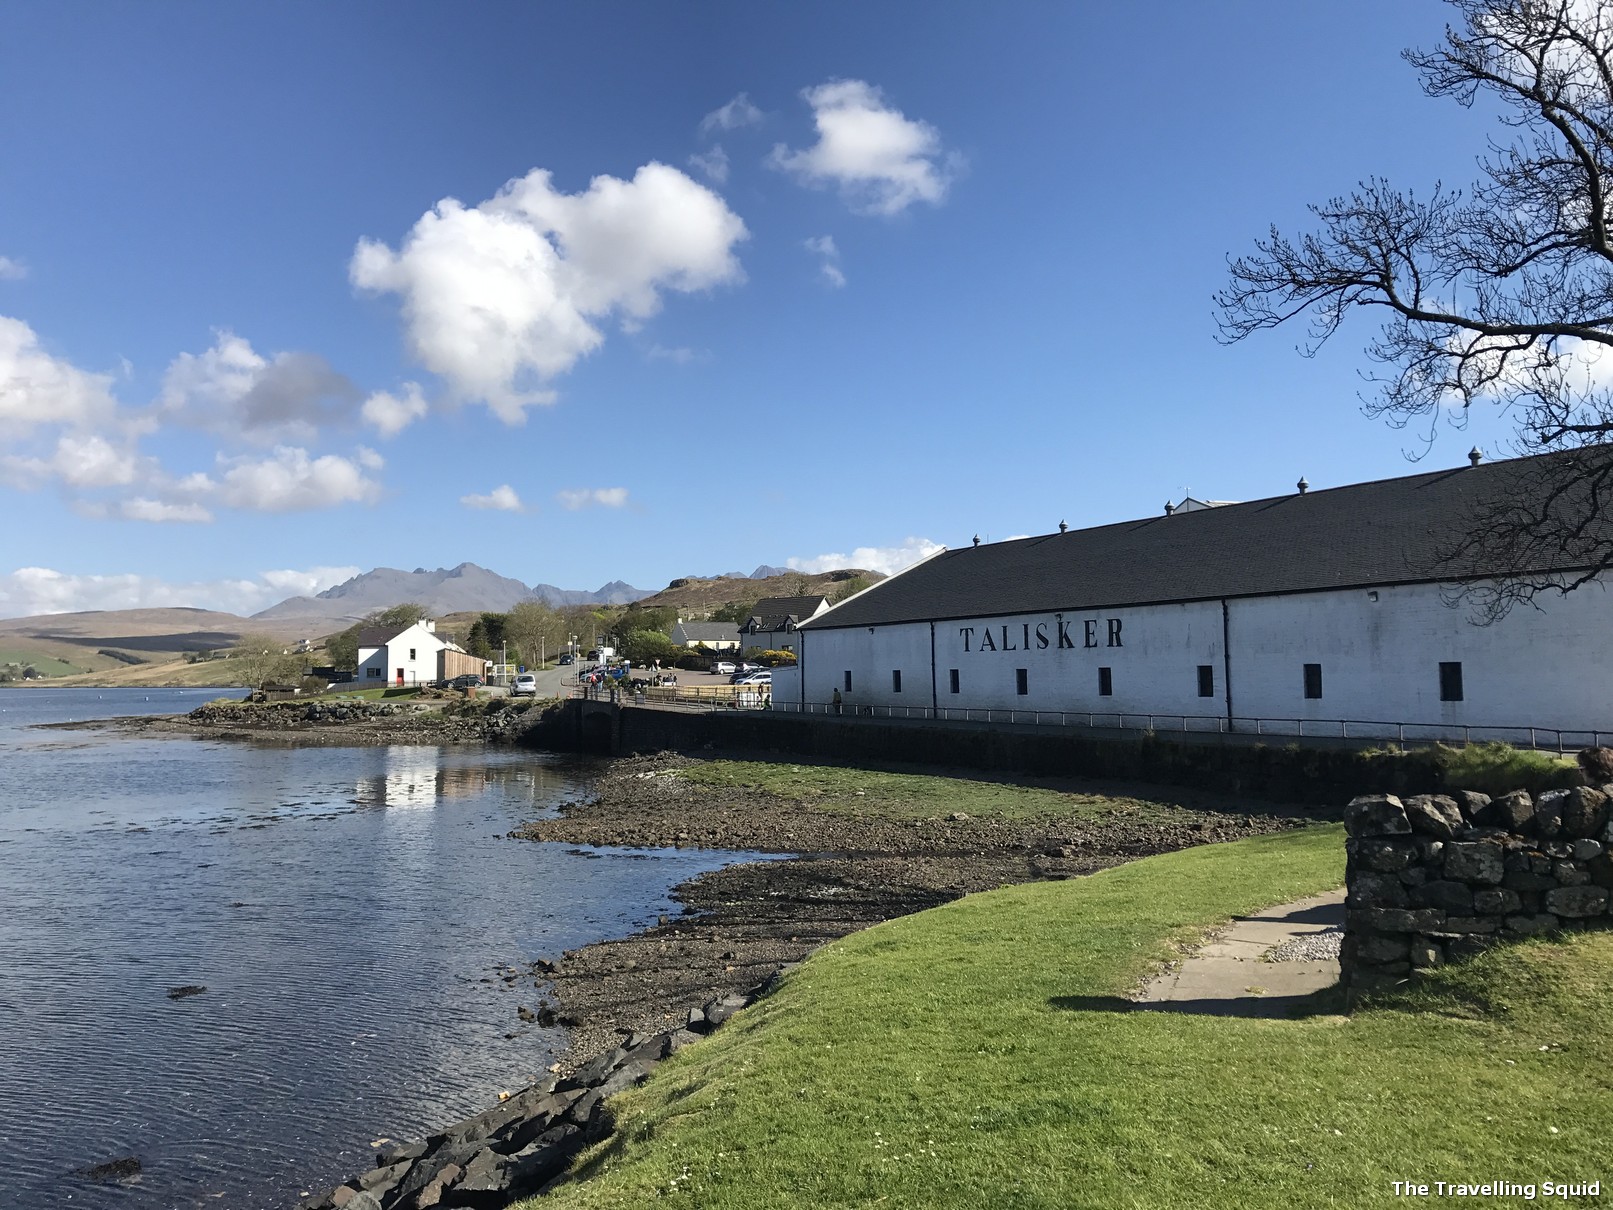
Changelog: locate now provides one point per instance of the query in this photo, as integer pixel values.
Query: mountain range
(461, 589)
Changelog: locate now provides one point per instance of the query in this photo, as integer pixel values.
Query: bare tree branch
(1500, 294)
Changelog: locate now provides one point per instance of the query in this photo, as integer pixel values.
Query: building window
(1450, 682)
(375, 673)
(848, 680)
(1022, 681)
(954, 680)
(896, 680)
(1206, 680)
(1106, 682)
(1313, 680)
(411, 653)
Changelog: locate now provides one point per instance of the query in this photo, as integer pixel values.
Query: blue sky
(288, 291)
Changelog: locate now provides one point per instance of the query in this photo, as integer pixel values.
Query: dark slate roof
(1392, 531)
(378, 636)
(775, 611)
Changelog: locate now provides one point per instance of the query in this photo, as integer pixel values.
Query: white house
(773, 621)
(719, 636)
(1327, 612)
(408, 656)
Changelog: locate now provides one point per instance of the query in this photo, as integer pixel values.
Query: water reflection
(344, 950)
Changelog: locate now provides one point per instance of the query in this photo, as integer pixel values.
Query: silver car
(525, 685)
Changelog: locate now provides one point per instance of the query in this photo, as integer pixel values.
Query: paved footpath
(1229, 975)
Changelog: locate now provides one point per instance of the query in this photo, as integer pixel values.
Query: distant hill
(62, 644)
(764, 572)
(696, 596)
(462, 589)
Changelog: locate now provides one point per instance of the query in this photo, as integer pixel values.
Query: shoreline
(836, 874)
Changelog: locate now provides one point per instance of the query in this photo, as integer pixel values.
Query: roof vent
(1303, 485)
(977, 539)
(1169, 508)
(1475, 456)
(1064, 527)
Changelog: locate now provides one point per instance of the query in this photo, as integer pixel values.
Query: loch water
(347, 909)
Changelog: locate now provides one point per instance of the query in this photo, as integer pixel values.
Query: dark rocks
(1474, 862)
(1511, 811)
(1376, 815)
(184, 993)
(1577, 902)
(122, 1171)
(1473, 872)
(1434, 815)
(526, 1142)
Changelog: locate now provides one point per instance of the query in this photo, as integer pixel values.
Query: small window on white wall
(1313, 680)
(896, 680)
(1450, 681)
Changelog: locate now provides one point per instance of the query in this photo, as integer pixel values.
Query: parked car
(749, 667)
(525, 685)
(723, 668)
(763, 677)
(466, 680)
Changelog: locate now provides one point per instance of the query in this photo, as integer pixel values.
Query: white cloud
(823, 246)
(501, 298)
(35, 590)
(735, 115)
(604, 497)
(233, 389)
(12, 270)
(881, 161)
(142, 508)
(38, 389)
(712, 164)
(287, 481)
(501, 498)
(390, 414)
(888, 559)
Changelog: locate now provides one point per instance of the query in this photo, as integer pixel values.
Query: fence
(719, 698)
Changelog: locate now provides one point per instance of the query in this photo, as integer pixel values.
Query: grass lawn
(870, 793)
(976, 1056)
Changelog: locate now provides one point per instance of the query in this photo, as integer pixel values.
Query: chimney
(1064, 527)
(1475, 456)
(977, 539)
(1302, 485)
(431, 625)
(1169, 508)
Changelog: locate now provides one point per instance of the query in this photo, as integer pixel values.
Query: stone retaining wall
(525, 1143)
(1436, 878)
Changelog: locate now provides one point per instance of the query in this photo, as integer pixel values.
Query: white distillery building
(409, 655)
(1318, 613)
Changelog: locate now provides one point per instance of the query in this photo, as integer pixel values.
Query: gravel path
(1312, 947)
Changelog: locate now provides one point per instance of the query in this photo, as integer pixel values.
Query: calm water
(346, 909)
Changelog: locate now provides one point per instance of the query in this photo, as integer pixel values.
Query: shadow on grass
(1329, 1002)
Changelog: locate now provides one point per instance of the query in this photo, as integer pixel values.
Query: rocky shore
(840, 873)
(444, 720)
(627, 1002)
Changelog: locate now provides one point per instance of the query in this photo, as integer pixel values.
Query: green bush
(1495, 768)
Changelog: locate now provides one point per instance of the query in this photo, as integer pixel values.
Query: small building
(773, 621)
(718, 636)
(414, 655)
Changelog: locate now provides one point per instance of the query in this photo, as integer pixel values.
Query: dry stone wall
(1436, 878)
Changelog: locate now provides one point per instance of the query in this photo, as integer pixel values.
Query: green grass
(1495, 768)
(45, 665)
(871, 793)
(390, 692)
(977, 1056)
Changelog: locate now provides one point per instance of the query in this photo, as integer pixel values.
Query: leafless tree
(1502, 294)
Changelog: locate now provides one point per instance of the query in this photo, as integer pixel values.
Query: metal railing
(1519, 735)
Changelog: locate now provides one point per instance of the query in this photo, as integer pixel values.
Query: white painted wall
(379, 665)
(1548, 667)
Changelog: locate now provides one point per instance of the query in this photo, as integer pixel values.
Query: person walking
(836, 701)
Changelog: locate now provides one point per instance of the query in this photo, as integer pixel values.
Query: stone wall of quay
(1279, 772)
(1436, 878)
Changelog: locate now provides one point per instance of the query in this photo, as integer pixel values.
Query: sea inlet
(353, 914)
